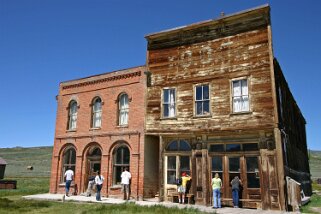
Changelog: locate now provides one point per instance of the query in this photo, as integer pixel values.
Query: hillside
(315, 164)
(19, 158)
(40, 158)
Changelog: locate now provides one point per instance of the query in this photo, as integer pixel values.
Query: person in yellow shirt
(216, 186)
(182, 188)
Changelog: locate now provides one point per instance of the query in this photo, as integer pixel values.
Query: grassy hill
(19, 158)
(315, 164)
(40, 158)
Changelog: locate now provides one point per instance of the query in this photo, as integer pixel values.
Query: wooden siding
(216, 63)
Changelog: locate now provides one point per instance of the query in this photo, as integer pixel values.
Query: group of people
(99, 180)
(216, 183)
(216, 187)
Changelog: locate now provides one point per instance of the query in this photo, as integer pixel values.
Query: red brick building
(100, 126)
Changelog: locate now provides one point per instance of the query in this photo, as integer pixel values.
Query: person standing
(216, 186)
(99, 180)
(69, 175)
(236, 182)
(182, 187)
(125, 180)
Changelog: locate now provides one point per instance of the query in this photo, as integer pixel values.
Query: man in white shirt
(125, 180)
(99, 180)
(69, 175)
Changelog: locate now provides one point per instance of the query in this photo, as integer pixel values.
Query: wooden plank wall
(215, 62)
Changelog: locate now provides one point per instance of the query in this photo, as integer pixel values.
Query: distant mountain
(315, 163)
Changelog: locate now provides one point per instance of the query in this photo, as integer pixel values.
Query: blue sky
(44, 42)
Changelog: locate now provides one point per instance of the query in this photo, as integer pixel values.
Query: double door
(247, 168)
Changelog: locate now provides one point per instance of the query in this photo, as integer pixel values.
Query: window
(123, 109)
(240, 96)
(234, 167)
(202, 100)
(217, 166)
(233, 147)
(169, 103)
(217, 148)
(69, 161)
(72, 117)
(96, 113)
(121, 160)
(253, 176)
(176, 165)
(178, 145)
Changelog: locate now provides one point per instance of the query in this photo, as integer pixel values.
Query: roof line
(209, 20)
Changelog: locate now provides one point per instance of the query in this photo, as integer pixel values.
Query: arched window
(72, 116)
(96, 113)
(121, 159)
(177, 156)
(123, 109)
(69, 161)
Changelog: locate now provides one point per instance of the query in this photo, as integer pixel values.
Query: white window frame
(202, 100)
(123, 110)
(72, 115)
(96, 114)
(169, 103)
(243, 95)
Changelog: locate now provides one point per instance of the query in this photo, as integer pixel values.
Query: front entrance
(247, 168)
(93, 164)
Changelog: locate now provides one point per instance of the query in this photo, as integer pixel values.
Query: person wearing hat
(182, 188)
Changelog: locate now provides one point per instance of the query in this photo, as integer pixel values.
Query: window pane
(184, 161)
(171, 177)
(250, 147)
(166, 110)
(173, 146)
(236, 88)
(172, 96)
(217, 148)
(199, 93)
(184, 146)
(252, 164)
(166, 96)
(199, 109)
(244, 87)
(126, 155)
(118, 156)
(237, 105)
(233, 147)
(171, 162)
(118, 171)
(217, 164)
(205, 92)
(234, 164)
(206, 107)
(253, 181)
(245, 103)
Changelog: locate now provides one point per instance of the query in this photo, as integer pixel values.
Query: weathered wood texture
(292, 124)
(215, 62)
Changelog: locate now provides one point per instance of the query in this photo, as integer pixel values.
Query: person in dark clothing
(236, 183)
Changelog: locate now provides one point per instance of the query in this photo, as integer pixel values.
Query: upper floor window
(202, 100)
(169, 103)
(123, 109)
(240, 96)
(72, 116)
(96, 113)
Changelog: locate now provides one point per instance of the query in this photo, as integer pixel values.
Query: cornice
(107, 79)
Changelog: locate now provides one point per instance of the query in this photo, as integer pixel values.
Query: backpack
(179, 181)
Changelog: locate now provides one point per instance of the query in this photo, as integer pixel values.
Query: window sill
(122, 126)
(168, 118)
(241, 113)
(71, 130)
(115, 187)
(96, 128)
(202, 116)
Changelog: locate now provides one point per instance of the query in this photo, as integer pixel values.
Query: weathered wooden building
(217, 101)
